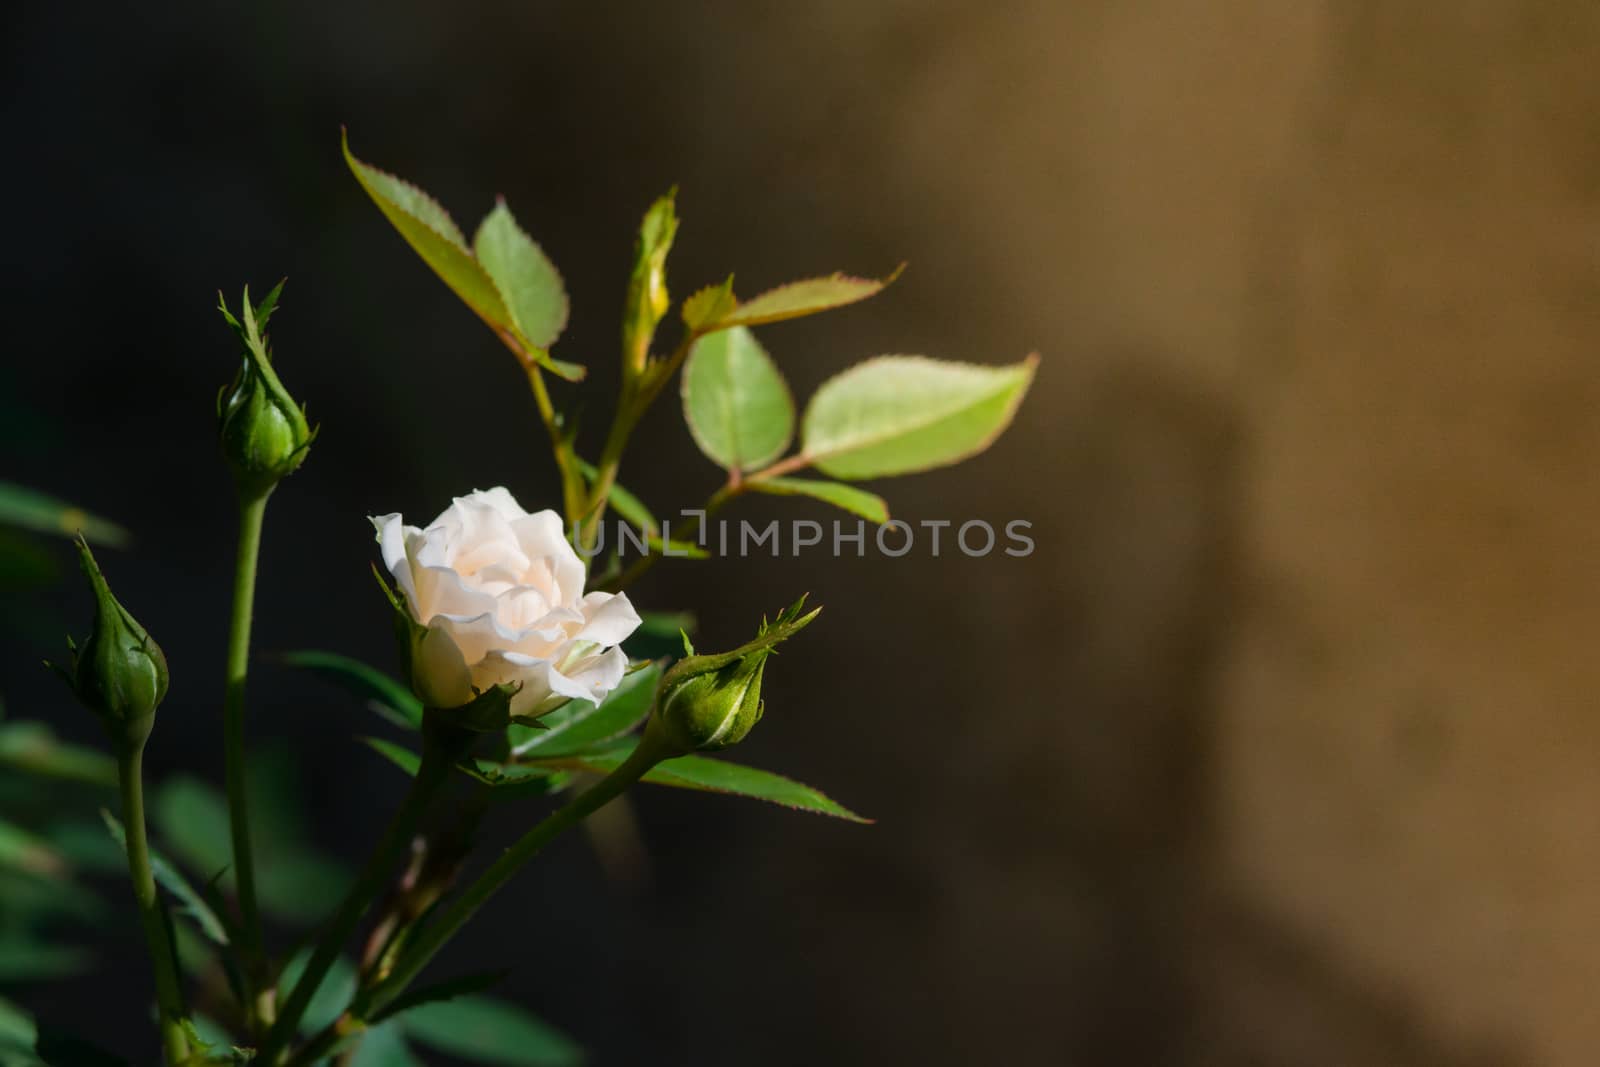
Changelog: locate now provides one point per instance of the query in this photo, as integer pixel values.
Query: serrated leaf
(713, 776)
(33, 510)
(511, 781)
(489, 1030)
(434, 235)
(528, 282)
(702, 310)
(580, 725)
(869, 506)
(735, 400)
(369, 683)
(806, 297)
(901, 414)
(191, 903)
(428, 228)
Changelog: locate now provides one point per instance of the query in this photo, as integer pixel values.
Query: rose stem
(650, 751)
(169, 992)
(440, 750)
(252, 510)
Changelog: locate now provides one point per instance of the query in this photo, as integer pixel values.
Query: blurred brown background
(1281, 749)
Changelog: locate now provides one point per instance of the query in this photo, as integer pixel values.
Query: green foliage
(434, 235)
(488, 1030)
(900, 414)
(713, 776)
(294, 881)
(402, 757)
(736, 402)
(383, 693)
(32, 748)
(581, 725)
(800, 298)
(191, 904)
(328, 1003)
(447, 990)
(529, 283)
(869, 506)
(33, 510)
(707, 307)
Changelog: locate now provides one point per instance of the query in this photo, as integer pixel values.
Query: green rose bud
(712, 702)
(647, 289)
(264, 432)
(119, 673)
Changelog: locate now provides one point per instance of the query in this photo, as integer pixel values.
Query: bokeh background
(1281, 749)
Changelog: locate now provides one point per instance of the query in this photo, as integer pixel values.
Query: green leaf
(190, 902)
(384, 1045)
(489, 1030)
(735, 400)
(23, 958)
(192, 819)
(388, 696)
(511, 781)
(329, 1001)
(660, 633)
(712, 776)
(869, 506)
(429, 229)
(398, 755)
(900, 414)
(629, 506)
(293, 881)
(446, 990)
(805, 297)
(32, 747)
(434, 235)
(703, 310)
(33, 510)
(17, 1031)
(528, 281)
(580, 725)
(28, 852)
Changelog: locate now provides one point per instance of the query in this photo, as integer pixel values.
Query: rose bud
(264, 433)
(119, 673)
(647, 288)
(490, 600)
(711, 702)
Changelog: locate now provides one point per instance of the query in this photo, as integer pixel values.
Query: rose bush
(500, 594)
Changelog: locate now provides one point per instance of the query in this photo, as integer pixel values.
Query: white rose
(501, 594)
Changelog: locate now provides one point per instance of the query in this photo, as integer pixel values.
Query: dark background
(1278, 750)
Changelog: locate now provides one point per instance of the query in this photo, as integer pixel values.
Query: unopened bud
(264, 432)
(711, 702)
(647, 288)
(119, 673)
